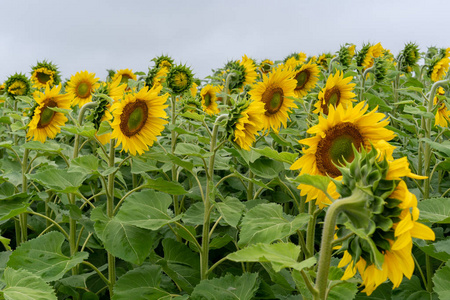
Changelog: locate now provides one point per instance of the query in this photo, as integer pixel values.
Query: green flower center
(302, 79)
(336, 148)
(43, 77)
(47, 114)
(207, 99)
(331, 97)
(133, 118)
(273, 99)
(83, 90)
(180, 80)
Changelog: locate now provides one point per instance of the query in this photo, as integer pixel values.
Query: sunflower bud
(45, 73)
(17, 85)
(346, 54)
(179, 79)
(409, 57)
(163, 61)
(380, 70)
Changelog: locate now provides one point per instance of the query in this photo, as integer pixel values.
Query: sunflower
(395, 226)
(248, 125)
(306, 77)
(346, 54)
(275, 91)
(338, 90)
(265, 66)
(332, 143)
(365, 57)
(250, 71)
(323, 60)
(45, 73)
(442, 116)
(163, 61)
(439, 69)
(295, 59)
(126, 74)
(193, 90)
(138, 119)
(409, 57)
(46, 122)
(17, 85)
(81, 86)
(209, 98)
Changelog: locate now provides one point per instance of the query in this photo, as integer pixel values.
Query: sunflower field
(320, 177)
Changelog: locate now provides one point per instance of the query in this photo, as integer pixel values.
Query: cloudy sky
(97, 35)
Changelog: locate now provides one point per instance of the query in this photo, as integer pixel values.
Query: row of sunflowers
(304, 178)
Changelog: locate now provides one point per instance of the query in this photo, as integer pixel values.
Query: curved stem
(50, 220)
(108, 283)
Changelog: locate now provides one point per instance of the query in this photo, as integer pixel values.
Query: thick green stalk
(363, 82)
(326, 245)
(72, 200)
(204, 256)
(176, 206)
(250, 185)
(110, 213)
(23, 217)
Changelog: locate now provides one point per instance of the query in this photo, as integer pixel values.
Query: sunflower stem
(110, 213)
(23, 217)
(176, 207)
(363, 82)
(204, 254)
(226, 88)
(326, 245)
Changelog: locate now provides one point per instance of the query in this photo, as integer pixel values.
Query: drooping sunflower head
(274, 92)
(295, 59)
(46, 122)
(163, 61)
(45, 73)
(126, 75)
(265, 66)
(191, 105)
(438, 68)
(384, 250)
(381, 66)
(237, 74)
(138, 119)
(156, 76)
(81, 87)
(363, 56)
(409, 57)
(346, 53)
(338, 90)
(332, 142)
(387, 55)
(306, 76)
(208, 99)
(179, 79)
(17, 85)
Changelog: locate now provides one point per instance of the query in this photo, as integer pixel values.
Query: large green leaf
(191, 150)
(228, 287)
(266, 223)
(317, 181)
(280, 255)
(23, 285)
(59, 180)
(286, 157)
(441, 280)
(87, 164)
(38, 146)
(122, 240)
(267, 168)
(180, 264)
(170, 187)
(12, 204)
(231, 210)
(439, 250)
(142, 283)
(147, 209)
(341, 289)
(435, 210)
(42, 256)
(443, 147)
(411, 289)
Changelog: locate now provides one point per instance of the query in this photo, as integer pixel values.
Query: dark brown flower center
(331, 97)
(302, 78)
(133, 118)
(336, 148)
(47, 114)
(273, 99)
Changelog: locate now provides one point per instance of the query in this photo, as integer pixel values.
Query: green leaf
(318, 181)
(139, 166)
(194, 214)
(59, 180)
(38, 146)
(122, 240)
(376, 101)
(286, 157)
(435, 210)
(84, 164)
(411, 289)
(191, 150)
(42, 256)
(104, 128)
(382, 292)
(439, 250)
(231, 210)
(147, 209)
(340, 289)
(87, 130)
(23, 285)
(267, 168)
(280, 255)
(229, 287)
(170, 187)
(417, 111)
(441, 280)
(443, 147)
(266, 223)
(12, 204)
(142, 283)
(26, 99)
(193, 116)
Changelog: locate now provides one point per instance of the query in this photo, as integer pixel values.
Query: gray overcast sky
(98, 35)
